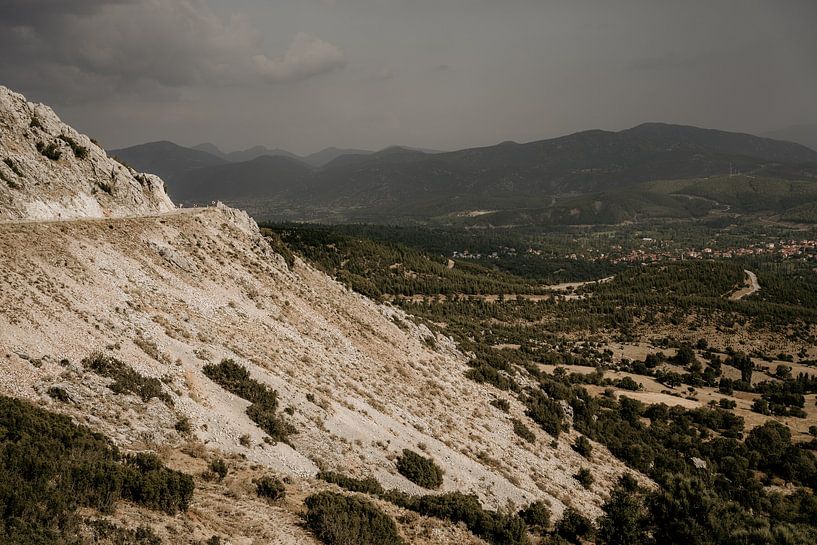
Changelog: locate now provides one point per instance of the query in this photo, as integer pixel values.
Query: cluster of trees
(375, 268)
(50, 468)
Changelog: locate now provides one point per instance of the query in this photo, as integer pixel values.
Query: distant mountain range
(401, 184)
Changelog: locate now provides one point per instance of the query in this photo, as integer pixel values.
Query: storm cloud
(304, 74)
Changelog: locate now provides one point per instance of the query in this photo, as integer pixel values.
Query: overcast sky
(444, 74)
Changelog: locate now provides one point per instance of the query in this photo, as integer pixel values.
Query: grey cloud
(307, 56)
(424, 73)
(149, 45)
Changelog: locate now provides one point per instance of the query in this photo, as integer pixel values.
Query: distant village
(786, 249)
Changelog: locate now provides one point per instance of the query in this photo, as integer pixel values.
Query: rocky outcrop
(49, 171)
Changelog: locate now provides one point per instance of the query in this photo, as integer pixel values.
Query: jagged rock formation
(169, 293)
(49, 171)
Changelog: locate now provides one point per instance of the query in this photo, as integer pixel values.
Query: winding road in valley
(752, 286)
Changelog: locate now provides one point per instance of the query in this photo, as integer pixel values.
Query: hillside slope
(50, 171)
(167, 292)
(170, 294)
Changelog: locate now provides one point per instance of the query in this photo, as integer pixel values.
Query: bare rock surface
(78, 180)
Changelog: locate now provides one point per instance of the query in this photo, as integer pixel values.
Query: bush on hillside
(125, 379)
(584, 477)
(368, 485)
(218, 468)
(80, 152)
(270, 488)
(420, 470)
(573, 526)
(536, 515)
(236, 379)
(520, 429)
(50, 150)
(496, 528)
(583, 446)
(349, 520)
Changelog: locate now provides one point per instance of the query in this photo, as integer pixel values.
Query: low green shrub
(536, 515)
(80, 152)
(545, 411)
(147, 482)
(369, 485)
(496, 528)
(125, 379)
(420, 470)
(183, 425)
(218, 467)
(520, 429)
(584, 477)
(59, 393)
(236, 379)
(501, 404)
(583, 446)
(349, 520)
(270, 488)
(13, 166)
(573, 526)
(50, 150)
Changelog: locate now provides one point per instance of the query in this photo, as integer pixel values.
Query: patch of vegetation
(50, 150)
(80, 152)
(496, 528)
(344, 520)
(50, 468)
(501, 404)
(585, 477)
(147, 482)
(546, 412)
(218, 468)
(520, 429)
(106, 532)
(270, 488)
(236, 379)
(573, 526)
(13, 166)
(420, 470)
(125, 379)
(369, 485)
(35, 123)
(583, 446)
(183, 425)
(59, 393)
(536, 516)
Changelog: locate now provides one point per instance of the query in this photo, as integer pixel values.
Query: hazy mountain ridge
(413, 184)
(805, 134)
